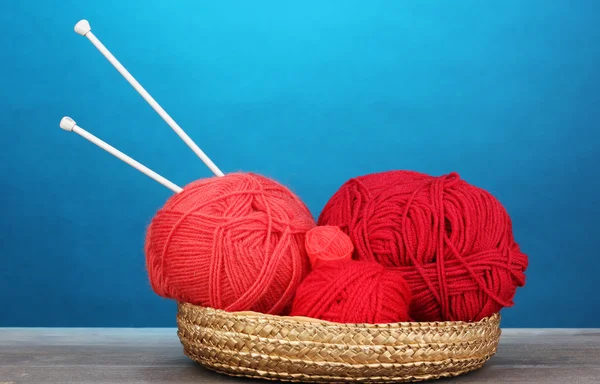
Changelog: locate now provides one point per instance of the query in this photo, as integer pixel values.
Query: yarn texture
(234, 242)
(349, 291)
(326, 244)
(451, 241)
(345, 291)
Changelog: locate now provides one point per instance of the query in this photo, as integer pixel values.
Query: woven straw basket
(308, 350)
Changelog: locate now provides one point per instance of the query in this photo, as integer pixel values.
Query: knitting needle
(83, 28)
(70, 125)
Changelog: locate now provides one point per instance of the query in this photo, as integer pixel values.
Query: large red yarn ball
(452, 242)
(234, 243)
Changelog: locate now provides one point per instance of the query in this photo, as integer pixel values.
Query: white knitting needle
(70, 125)
(83, 28)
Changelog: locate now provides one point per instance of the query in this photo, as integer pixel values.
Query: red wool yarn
(345, 291)
(327, 243)
(451, 241)
(234, 242)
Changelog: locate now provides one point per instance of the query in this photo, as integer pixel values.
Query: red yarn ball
(326, 244)
(234, 242)
(349, 291)
(452, 242)
(345, 291)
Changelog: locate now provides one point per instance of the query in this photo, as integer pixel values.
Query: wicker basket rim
(300, 320)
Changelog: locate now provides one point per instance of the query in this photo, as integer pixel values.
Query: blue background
(505, 93)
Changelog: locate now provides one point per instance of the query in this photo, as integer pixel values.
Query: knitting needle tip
(83, 27)
(67, 123)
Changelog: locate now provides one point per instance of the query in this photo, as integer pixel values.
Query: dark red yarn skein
(346, 291)
(451, 241)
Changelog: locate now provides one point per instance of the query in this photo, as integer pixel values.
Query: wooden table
(99, 355)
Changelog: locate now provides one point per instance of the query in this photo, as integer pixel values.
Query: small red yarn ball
(345, 291)
(349, 291)
(234, 243)
(451, 241)
(327, 243)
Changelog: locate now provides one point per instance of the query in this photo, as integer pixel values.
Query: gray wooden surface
(57, 355)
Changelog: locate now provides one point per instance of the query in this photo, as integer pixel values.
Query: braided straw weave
(301, 349)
